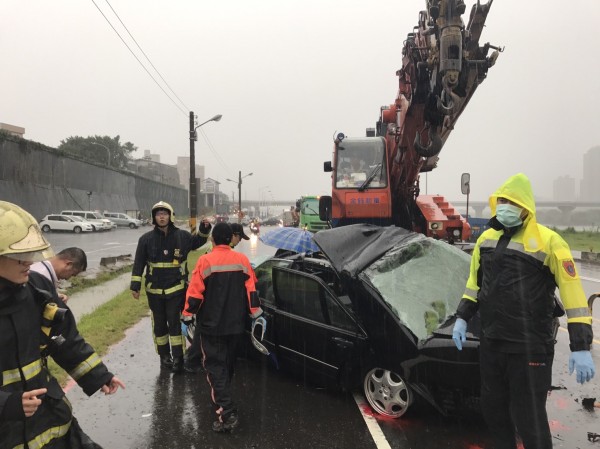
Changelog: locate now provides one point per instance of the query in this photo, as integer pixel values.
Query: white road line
(589, 279)
(376, 433)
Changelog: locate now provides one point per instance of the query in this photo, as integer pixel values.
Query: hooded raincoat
(514, 274)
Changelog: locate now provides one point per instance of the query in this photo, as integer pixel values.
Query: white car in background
(58, 222)
(98, 222)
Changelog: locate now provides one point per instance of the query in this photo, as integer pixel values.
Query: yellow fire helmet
(20, 235)
(163, 205)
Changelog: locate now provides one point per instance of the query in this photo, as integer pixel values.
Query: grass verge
(106, 325)
(581, 240)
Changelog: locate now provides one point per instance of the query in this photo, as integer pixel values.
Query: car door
(313, 330)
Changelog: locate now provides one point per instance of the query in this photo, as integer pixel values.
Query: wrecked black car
(374, 309)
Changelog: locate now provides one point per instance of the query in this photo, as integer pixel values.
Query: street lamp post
(107, 152)
(193, 138)
(239, 183)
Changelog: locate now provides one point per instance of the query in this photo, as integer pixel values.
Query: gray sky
(288, 74)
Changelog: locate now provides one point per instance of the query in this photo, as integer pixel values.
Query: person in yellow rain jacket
(516, 266)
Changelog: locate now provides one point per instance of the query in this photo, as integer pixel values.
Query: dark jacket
(164, 258)
(222, 292)
(23, 367)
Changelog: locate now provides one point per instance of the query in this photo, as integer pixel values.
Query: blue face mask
(508, 215)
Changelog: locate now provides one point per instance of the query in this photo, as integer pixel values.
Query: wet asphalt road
(278, 410)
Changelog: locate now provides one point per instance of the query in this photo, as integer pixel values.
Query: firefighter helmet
(164, 206)
(20, 235)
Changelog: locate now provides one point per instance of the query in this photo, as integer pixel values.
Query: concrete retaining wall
(43, 180)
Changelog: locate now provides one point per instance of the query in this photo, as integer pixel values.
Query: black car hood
(351, 249)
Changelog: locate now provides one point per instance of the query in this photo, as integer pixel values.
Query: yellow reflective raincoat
(514, 274)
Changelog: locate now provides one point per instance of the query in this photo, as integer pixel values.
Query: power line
(220, 160)
(140, 62)
(146, 56)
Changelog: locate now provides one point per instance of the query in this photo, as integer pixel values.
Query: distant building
(590, 184)
(564, 189)
(151, 157)
(183, 168)
(148, 168)
(12, 130)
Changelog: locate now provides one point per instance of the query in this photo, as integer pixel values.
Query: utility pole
(240, 196)
(193, 205)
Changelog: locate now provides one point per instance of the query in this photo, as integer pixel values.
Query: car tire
(77, 230)
(94, 228)
(387, 392)
(132, 226)
(46, 228)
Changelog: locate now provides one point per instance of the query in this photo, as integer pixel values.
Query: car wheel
(387, 392)
(94, 228)
(46, 228)
(76, 229)
(132, 226)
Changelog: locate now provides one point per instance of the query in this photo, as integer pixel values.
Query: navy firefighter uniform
(162, 253)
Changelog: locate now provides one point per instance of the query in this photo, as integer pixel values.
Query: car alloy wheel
(132, 226)
(387, 392)
(46, 228)
(76, 229)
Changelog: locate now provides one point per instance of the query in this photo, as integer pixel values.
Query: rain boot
(166, 361)
(177, 365)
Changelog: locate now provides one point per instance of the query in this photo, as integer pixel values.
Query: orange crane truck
(375, 179)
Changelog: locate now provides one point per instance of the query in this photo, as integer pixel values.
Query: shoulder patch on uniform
(569, 267)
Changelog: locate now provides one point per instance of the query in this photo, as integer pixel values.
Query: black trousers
(514, 388)
(166, 323)
(219, 353)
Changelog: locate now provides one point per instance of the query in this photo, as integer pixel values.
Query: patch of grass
(106, 325)
(581, 240)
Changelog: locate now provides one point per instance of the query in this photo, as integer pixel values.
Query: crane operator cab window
(361, 163)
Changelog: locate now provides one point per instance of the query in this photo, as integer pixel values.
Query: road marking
(376, 433)
(589, 279)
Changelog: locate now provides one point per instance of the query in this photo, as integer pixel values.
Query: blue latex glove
(459, 333)
(582, 363)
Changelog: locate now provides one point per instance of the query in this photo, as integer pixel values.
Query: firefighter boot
(177, 365)
(166, 361)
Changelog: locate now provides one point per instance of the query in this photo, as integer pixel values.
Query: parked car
(121, 219)
(376, 310)
(98, 222)
(57, 222)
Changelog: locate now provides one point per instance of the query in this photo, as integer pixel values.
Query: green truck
(309, 214)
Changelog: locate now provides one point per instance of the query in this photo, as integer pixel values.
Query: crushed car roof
(352, 248)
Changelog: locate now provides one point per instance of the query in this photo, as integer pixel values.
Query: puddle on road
(88, 300)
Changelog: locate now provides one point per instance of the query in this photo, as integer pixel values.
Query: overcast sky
(287, 74)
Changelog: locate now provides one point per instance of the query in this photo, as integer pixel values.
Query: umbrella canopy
(291, 239)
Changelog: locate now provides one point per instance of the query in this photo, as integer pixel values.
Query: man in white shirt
(66, 264)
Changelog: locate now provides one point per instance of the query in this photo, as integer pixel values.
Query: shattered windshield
(422, 282)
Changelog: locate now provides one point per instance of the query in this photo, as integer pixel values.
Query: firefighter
(163, 253)
(35, 324)
(222, 294)
(515, 269)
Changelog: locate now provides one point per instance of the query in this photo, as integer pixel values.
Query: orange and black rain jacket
(24, 368)
(222, 292)
(164, 257)
(514, 274)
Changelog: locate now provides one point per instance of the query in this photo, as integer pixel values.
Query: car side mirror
(327, 167)
(325, 208)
